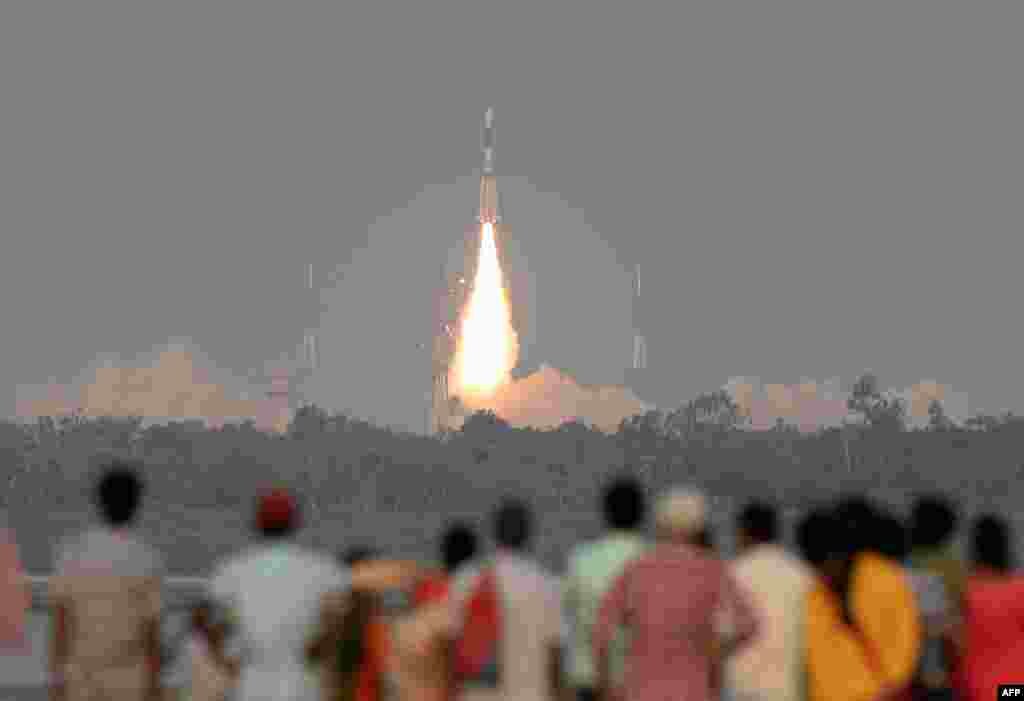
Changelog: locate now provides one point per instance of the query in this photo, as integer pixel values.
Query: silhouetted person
(106, 603)
(993, 634)
(673, 597)
(771, 667)
(592, 569)
(511, 607)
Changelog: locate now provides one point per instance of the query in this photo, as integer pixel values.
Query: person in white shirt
(771, 667)
(530, 657)
(272, 600)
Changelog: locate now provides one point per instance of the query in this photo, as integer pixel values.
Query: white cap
(681, 510)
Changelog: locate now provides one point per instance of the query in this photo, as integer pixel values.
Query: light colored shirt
(275, 593)
(592, 569)
(109, 583)
(673, 598)
(853, 664)
(531, 626)
(771, 667)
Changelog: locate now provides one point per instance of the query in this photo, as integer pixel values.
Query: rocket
(489, 210)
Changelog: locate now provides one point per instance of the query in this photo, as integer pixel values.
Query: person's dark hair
(860, 520)
(818, 537)
(459, 545)
(990, 543)
(893, 540)
(759, 521)
(512, 524)
(933, 522)
(357, 555)
(119, 492)
(706, 539)
(624, 504)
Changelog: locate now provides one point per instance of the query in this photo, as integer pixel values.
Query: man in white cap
(673, 599)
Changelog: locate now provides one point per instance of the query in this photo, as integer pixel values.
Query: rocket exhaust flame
(488, 346)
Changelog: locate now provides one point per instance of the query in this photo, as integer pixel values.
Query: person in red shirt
(993, 614)
(675, 600)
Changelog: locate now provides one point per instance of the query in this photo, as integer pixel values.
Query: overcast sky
(810, 189)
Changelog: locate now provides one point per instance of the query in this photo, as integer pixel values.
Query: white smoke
(810, 405)
(172, 386)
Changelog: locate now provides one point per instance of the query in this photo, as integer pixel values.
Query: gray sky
(811, 189)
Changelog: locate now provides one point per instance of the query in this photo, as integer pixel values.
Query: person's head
(860, 521)
(624, 504)
(202, 615)
(512, 523)
(819, 538)
(990, 544)
(357, 555)
(893, 541)
(757, 524)
(933, 522)
(459, 545)
(706, 539)
(119, 493)
(277, 514)
(680, 515)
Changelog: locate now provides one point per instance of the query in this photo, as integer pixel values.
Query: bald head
(680, 514)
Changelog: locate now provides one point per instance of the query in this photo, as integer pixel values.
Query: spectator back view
(993, 613)
(271, 599)
(519, 658)
(106, 601)
(421, 637)
(592, 569)
(863, 627)
(771, 667)
(673, 597)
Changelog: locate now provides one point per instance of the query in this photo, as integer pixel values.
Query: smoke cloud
(548, 398)
(810, 405)
(172, 387)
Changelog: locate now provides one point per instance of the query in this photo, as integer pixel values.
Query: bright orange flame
(488, 346)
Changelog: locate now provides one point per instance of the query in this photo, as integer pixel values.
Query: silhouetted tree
(876, 410)
(937, 419)
(484, 425)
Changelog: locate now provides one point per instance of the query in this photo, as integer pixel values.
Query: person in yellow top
(863, 629)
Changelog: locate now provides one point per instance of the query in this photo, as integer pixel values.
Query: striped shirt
(673, 600)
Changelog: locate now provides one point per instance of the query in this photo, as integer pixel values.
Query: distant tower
(443, 347)
(288, 386)
(639, 339)
(309, 355)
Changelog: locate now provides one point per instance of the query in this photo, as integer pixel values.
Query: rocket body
(489, 209)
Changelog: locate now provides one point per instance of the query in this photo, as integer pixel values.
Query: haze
(809, 191)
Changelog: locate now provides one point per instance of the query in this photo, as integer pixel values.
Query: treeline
(370, 484)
